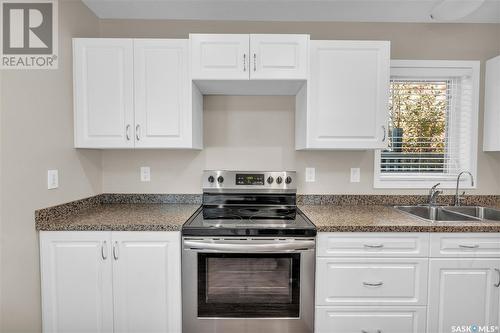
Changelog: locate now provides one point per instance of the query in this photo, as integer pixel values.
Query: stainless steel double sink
(451, 213)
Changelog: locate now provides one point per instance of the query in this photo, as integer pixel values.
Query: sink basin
(437, 214)
(482, 213)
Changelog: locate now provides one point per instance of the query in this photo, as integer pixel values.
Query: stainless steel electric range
(248, 257)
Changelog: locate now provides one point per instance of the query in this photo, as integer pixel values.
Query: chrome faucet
(458, 196)
(433, 194)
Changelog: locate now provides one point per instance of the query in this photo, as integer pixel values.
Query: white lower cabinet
(356, 319)
(110, 281)
(463, 292)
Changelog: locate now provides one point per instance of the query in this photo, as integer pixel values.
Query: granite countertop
(123, 217)
(375, 218)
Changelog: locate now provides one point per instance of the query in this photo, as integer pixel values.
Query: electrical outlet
(145, 174)
(52, 179)
(355, 175)
(310, 175)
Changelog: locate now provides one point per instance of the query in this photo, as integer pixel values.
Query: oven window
(248, 285)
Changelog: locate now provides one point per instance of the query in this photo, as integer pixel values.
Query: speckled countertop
(330, 213)
(375, 218)
(123, 217)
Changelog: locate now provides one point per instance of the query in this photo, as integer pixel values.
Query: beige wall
(231, 143)
(36, 135)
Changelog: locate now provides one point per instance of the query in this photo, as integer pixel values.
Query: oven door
(238, 283)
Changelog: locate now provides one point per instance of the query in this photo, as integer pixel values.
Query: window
(432, 124)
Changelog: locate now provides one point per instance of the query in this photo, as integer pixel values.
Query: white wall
(231, 142)
(36, 128)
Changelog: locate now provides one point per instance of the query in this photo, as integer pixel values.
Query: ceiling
(476, 11)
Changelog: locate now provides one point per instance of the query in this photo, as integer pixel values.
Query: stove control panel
(221, 180)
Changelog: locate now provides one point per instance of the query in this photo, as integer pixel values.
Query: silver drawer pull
(378, 331)
(373, 284)
(497, 284)
(463, 246)
(373, 246)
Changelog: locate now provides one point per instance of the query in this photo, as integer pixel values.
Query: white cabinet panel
(463, 292)
(461, 245)
(492, 106)
(162, 114)
(220, 56)
(279, 57)
(146, 281)
(103, 93)
(365, 244)
(370, 319)
(371, 281)
(348, 94)
(76, 274)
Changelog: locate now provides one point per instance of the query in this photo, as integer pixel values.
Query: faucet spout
(458, 196)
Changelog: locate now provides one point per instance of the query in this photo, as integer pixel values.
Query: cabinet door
(277, 57)
(219, 56)
(103, 93)
(462, 292)
(349, 94)
(76, 282)
(146, 282)
(162, 117)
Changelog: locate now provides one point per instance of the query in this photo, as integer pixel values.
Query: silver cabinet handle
(137, 132)
(244, 62)
(104, 250)
(373, 284)
(378, 331)
(463, 246)
(127, 132)
(498, 284)
(115, 250)
(373, 246)
(254, 62)
(385, 133)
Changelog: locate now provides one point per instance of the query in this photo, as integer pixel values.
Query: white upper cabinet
(135, 93)
(162, 105)
(244, 57)
(219, 56)
(279, 57)
(345, 105)
(492, 106)
(103, 93)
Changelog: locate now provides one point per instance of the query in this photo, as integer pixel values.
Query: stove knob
(211, 179)
(220, 179)
(288, 180)
(279, 180)
(270, 180)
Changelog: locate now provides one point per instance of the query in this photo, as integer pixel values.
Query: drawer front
(465, 245)
(370, 320)
(373, 244)
(367, 281)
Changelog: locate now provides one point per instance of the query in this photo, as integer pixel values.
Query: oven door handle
(293, 246)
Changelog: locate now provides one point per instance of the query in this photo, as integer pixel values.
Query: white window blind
(432, 127)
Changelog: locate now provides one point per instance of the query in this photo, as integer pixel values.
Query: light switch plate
(52, 179)
(145, 174)
(310, 175)
(355, 175)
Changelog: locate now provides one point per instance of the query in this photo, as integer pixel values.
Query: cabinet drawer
(465, 245)
(373, 245)
(370, 320)
(368, 281)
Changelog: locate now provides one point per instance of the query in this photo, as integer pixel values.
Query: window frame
(434, 69)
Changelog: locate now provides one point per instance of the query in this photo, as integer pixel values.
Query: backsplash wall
(258, 132)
